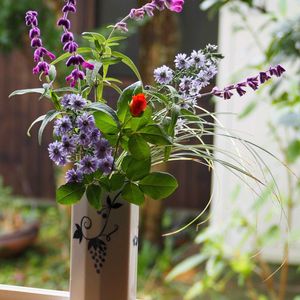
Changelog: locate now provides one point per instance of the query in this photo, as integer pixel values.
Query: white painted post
(110, 271)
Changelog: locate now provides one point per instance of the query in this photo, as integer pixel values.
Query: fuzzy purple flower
(74, 176)
(163, 75)
(73, 78)
(149, 9)
(56, 153)
(88, 164)
(103, 149)
(122, 26)
(68, 145)
(253, 82)
(63, 126)
(85, 122)
(77, 102)
(182, 61)
(31, 18)
(106, 165)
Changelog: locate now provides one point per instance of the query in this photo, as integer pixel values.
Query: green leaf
(127, 61)
(95, 35)
(155, 135)
(136, 124)
(117, 181)
(125, 98)
(67, 55)
(106, 123)
(158, 185)
(50, 116)
(293, 151)
(138, 147)
(91, 75)
(106, 109)
(70, 193)
(27, 91)
(136, 169)
(132, 194)
(93, 194)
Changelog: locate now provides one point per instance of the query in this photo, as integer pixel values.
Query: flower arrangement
(113, 149)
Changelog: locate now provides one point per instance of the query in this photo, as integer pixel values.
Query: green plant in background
(223, 263)
(12, 32)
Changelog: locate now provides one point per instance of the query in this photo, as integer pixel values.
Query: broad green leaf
(158, 185)
(27, 91)
(70, 193)
(136, 169)
(50, 116)
(132, 194)
(106, 109)
(138, 147)
(117, 181)
(127, 61)
(105, 122)
(93, 194)
(155, 135)
(91, 75)
(125, 98)
(67, 55)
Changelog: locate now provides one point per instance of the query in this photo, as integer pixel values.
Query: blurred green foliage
(14, 32)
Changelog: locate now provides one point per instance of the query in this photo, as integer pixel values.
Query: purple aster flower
(31, 18)
(74, 176)
(64, 22)
(68, 145)
(73, 78)
(95, 135)
(65, 101)
(175, 5)
(210, 72)
(185, 82)
(198, 59)
(77, 102)
(85, 122)
(63, 126)
(122, 26)
(182, 61)
(253, 82)
(83, 139)
(163, 75)
(56, 153)
(88, 164)
(103, 149)
(137, 14)
(42, 66)
(106, 165)
(194, 88)
(67, 37)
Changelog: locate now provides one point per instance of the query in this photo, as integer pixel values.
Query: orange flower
(138, 105)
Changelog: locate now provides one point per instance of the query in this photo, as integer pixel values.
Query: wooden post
(104, 263)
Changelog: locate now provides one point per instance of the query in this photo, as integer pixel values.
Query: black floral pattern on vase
(98, 244)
